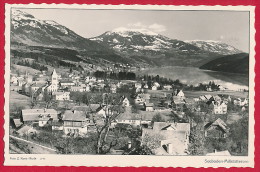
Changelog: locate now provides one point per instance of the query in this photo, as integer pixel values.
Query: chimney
(170, 148)
(129, 145)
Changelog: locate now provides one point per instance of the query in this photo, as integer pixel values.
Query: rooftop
(74, 115)
(219, 122)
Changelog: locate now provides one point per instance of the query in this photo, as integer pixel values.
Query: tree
(142, 150)
(112, 110)
(151, 142)
(77, 97)
(239, 135)
(157, 118)
(196, 138)
(16, 111)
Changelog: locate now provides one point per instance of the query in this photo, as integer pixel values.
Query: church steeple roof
(54, 72)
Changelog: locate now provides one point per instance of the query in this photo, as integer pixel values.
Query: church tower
(54, 78)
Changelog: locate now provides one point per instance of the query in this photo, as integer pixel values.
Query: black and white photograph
(129, 81)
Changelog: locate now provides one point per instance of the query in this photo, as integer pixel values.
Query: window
(67, 123)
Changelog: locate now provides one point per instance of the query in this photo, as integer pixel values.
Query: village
(79, 114)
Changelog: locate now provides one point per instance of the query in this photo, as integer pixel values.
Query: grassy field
(17, 99)
(24, 69)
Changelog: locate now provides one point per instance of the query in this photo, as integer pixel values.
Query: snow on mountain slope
(20, 19)
(214, 46)
(29, 30)
(141, 41)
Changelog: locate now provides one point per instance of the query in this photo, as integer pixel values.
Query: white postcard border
(140, 160)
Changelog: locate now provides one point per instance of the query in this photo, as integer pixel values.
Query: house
(100, 80)
(61, 95)
(217, 98)
(81, 88)
(178, 103)
(75, 122)
(202, 98)
(104, 111)
(15, 123)
(128, 117)
(26, 131)
(139, 90)
(142, 98)
(154, 87)
(35, 87)
(173, 138)
(40, 116)
(167, 87)
(146, 118)
(146, 86)
(138, 85)
(90, 79)
(125, 102)
(219, 108)
(216, 129)
(149, 106)
(209, 97)
(113, 88)
(179, 94)
(241, 102)
(221, 88)
(14, 80)
(209, 88)
(156, 84)
(205, 98)
(66, 83)
(91, 108)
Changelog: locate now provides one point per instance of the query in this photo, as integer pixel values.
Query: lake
(194, 76)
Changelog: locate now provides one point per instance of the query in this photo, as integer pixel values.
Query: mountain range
(137, 47)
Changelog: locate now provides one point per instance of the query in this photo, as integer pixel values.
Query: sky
(231, 27)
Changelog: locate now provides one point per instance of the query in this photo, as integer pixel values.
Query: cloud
(157, 27)
(136, 25)
(153, 27)
(222, 37)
